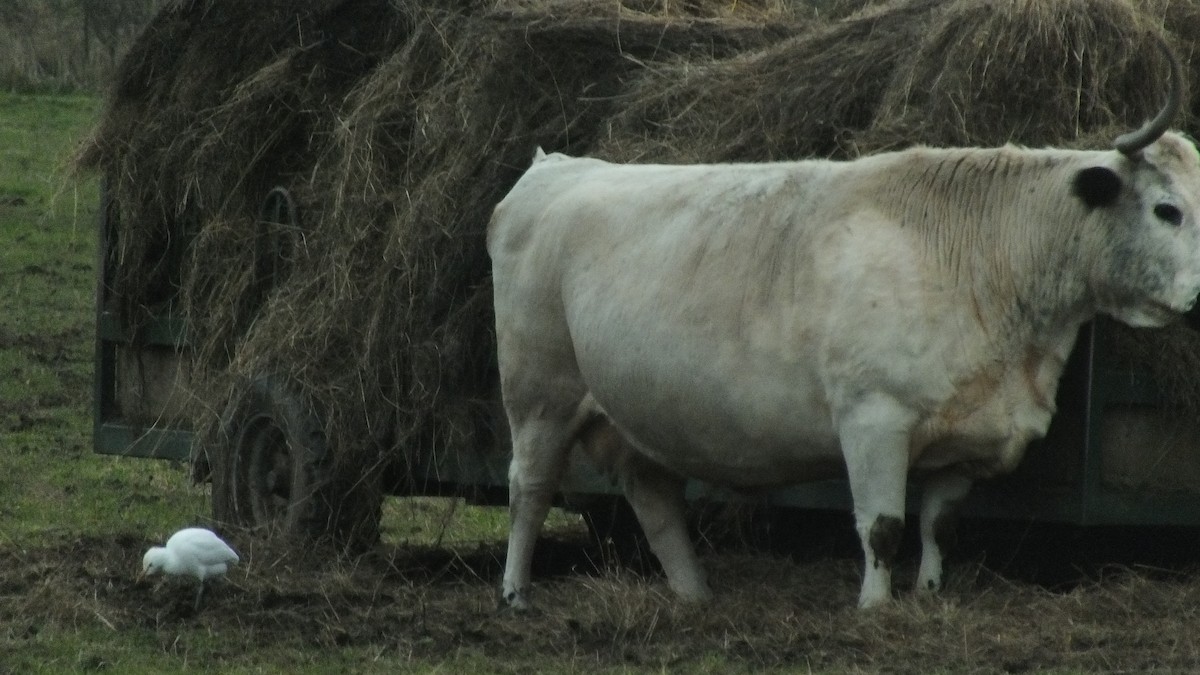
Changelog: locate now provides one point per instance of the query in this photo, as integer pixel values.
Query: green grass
(52, 483)
(37, 135)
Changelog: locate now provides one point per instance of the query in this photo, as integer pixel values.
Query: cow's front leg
(656, 496)
(875, 436)
(540, 451)
(942, 495)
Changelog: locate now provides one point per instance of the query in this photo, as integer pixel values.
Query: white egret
(192, 552)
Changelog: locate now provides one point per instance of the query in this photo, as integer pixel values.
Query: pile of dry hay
(397, 125)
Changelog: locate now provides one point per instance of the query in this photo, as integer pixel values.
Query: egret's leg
(199, 596)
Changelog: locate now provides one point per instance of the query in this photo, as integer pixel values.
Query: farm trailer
(1116, 452)
(307, 102)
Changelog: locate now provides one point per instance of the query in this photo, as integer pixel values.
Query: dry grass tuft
(1069, 72)
(807, 95)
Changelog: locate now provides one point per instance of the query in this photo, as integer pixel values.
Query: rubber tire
(272, 472)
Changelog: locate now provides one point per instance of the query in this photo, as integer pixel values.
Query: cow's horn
(1133, 142)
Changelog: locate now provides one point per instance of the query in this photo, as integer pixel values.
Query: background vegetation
(66, 45)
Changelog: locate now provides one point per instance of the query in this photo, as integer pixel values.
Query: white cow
(760, 325)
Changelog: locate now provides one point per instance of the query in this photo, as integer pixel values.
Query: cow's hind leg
(874, 436)
(656, 496)
(540, 450)
(943, 493)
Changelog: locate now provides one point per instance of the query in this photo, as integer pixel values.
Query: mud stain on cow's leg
(886, 533)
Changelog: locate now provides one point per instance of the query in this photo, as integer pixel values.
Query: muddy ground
(1007, 609)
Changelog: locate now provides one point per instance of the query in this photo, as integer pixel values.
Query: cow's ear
(1097, 186)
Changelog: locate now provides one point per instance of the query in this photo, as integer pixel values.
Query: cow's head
(1147, 195)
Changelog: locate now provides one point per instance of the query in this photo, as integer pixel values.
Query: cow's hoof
(873, 600)
(697, 596)
(514, 601)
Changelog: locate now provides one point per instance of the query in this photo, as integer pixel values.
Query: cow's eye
(1169, 213)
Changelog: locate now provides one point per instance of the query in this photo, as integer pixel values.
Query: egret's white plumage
(193, 552)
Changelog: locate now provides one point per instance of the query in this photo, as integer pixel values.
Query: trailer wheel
(269, 469)
(274, 474)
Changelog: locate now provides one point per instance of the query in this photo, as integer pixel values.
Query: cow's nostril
(1169, 213)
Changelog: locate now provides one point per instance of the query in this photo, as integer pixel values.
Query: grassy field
(74, 525)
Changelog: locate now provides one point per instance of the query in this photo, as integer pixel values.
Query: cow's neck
(1007, 240)
(1002, 240)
